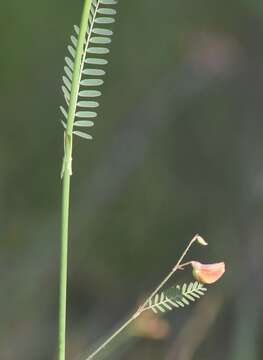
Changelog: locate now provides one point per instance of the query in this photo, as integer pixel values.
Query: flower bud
(201, 240)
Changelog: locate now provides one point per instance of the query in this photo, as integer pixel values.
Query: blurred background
(177, 150)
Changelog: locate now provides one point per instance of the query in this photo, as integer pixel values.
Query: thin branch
(144, 306)
(116, 333)
(177, 266)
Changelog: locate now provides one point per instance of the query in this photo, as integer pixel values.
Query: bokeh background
(177, 150)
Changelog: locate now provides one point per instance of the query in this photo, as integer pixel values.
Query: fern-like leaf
(176, 297)
(98, 38)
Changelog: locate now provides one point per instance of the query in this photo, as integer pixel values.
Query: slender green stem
(144, 307)
(66, 173)
(63, 265)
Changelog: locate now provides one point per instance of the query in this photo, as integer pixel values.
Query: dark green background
(177, 150)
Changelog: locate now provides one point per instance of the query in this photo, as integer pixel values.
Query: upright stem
(66, 174)
(63, 265)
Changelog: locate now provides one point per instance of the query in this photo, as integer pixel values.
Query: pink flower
(207, 273)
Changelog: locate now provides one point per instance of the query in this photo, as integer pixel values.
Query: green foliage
(87, 46)
(175, 297)
(98, 37)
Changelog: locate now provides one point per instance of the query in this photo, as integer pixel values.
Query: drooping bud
(201, 240)
(207, 273)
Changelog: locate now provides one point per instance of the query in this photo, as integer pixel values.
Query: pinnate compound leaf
(176, 297)
(98, 35)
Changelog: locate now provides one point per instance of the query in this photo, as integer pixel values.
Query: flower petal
(207, 273)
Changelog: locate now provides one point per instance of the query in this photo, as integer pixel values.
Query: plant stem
(144, 307)
(66, 174)
(116, 333)
(176, 267)
(63, 265)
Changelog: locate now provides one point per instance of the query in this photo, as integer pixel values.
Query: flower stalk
(144, 306)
